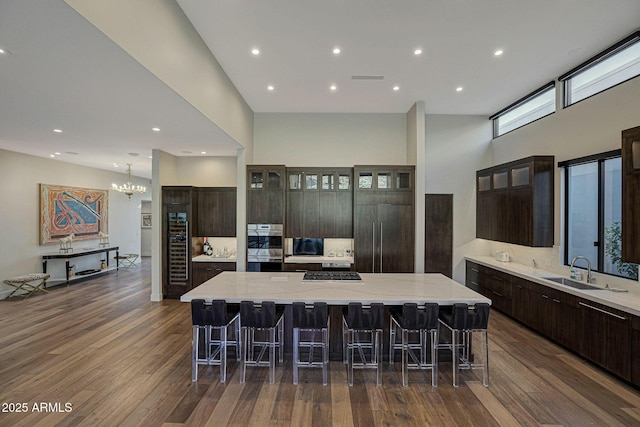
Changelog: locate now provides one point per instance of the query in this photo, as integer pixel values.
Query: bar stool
(410, 321)
(310, 322)
(267, 322)
(362, 331)
(462, 320)
(211, 320)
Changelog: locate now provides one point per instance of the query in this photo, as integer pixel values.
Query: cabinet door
(295, 207)
(396, 238)
(521, 300)
(484, 215)
(473, 277)
(501, 217)
(217, 212)
(606, 337)
(631, 195)
(520, 223)
(366, 218)
(635, 350)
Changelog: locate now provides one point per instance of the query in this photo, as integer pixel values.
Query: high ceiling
(64, 73)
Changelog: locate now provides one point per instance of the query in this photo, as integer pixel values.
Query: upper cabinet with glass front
(514, 202)
(384, 178)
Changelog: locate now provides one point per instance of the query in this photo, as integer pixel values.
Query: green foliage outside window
(613, 250)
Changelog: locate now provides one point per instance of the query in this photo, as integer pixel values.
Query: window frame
(527, 98)
(600, 158)
(593, 61)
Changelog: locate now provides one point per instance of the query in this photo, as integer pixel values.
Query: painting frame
(66, 210)
(145, 220)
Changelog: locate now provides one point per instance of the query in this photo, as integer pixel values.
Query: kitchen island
(391, 289)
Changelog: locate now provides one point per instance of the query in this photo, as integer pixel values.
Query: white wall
(456, 147)
(207, 171)
(324, 139)
(20, 250)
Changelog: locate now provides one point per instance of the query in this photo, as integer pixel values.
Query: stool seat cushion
(28, 278)
(364, 318)
(465, 317)
(215, 314)
(310, 318)
(265, 316)
(413, 318)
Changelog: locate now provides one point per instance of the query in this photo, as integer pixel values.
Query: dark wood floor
(100, 353)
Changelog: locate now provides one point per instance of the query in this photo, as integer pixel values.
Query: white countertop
(207, 258)
(286, 288)
(317, 259)
(625, 301)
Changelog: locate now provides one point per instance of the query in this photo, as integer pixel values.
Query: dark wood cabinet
(514, 202)
(316, 266)
(179, 214)
(384, 223)
(635, 350)
(606, 337)
(491, 283)
(631, 195)
(265, 194)
(217, 211)
(603, 335)
(438, 232)
(203, 271)
(319, 202)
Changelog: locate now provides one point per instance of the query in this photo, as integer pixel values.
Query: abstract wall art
(71, 210)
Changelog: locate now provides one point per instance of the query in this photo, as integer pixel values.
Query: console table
(80, 253)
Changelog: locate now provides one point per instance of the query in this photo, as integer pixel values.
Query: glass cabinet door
(344, 182)
(403, 180)
(384, 180)
(328, 182)
(365, 180)
(311, 181)
(500, 180)
(256, 180)
(295, 181)
(520, 176)
(484, 183)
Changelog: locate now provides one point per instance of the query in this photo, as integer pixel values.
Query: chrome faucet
(589, 279)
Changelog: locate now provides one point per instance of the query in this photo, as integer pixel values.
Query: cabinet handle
(373, 247)
(545, 296)
(475, 270)
(474, 283)
(602, 311)
(498, 278)
(499, 294)
(556, 300)
(381, 248)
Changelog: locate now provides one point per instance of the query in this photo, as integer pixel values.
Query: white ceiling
(64, 73)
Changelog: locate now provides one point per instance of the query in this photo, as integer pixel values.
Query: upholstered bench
(24, 283)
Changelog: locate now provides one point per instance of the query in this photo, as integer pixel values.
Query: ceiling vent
(367, 77)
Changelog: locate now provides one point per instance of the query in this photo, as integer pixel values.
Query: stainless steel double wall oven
(264, 247)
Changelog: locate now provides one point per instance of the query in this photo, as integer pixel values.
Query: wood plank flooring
(100, 353)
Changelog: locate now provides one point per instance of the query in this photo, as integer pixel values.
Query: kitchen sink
(572, 283)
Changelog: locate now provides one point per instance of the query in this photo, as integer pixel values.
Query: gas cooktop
(331, 276)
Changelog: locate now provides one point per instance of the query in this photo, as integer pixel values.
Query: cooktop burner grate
(352, 276)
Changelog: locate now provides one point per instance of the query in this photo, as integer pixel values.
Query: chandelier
(129, 188)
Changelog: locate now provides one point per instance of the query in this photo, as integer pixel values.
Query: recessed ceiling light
(57, 153)
(459, 89)
(4, 52)
(417, 52)
(52, 155)
(155, 129)
(336, 50)
(255, 51)
(115, 165)
(396, 88)
(270, 88)
(57, 130)
(333, 88)
(203, 152)
(151, 157)
(498, 52)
